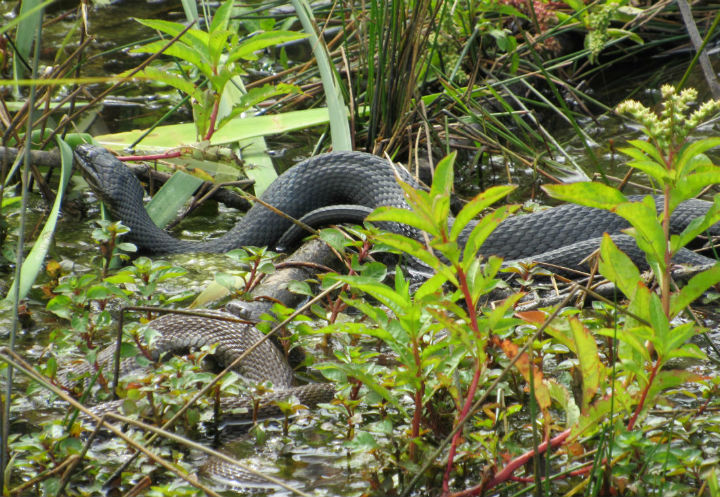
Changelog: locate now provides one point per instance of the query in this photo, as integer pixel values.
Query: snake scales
(357, 182)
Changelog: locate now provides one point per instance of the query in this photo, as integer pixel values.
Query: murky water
(311, 459)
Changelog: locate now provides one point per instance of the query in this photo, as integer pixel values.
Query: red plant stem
(472, 312)
(166, 155)
(653, 373)
(665, 295)
(505, 474)
(213, 118)
(461, 419)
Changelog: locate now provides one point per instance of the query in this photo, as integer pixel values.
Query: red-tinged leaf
(542, 393)
(533, 317)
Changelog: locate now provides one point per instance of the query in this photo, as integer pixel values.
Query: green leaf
(393, 300)
(697, 226)
(98, 292)
(442, 184)
(593, 372)
(697, 285)
(216, 45)
(624, 33)
(586, 193)
(653, 170)
(169, 79)
(338, 115)
(221, 17)
(669, 379)
(430, 286)
(181, 51)
(403, 216)
(690, 151)
(195, 38)
(34, 262)
(649, 232)
(483, 229)
(690, 185)
(164, 206)
(660, 325)
(168, 137)
(618, 267)
(246, 50)
(478, 204)
(645, 148)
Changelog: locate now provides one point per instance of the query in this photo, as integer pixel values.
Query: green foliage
(439, 335)
(208, 63)
(650, 338)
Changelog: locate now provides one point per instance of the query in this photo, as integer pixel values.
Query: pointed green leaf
(646, 147)
(483, 229)
(34, 262)
(693, 149)
(478, 204)
(586, 193)
(697, 285)
(653, 170)
(618, 267)
(442, 184)
(246, 50)
(180, 50)
(170, 79)
(592, 370)
(221, 17)
(650, 236)
(402, 216)
(697, 226)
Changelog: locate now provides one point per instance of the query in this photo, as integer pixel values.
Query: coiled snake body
(562, 235)
(356, 179)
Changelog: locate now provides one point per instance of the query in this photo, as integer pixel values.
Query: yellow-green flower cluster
(672, 125)
(598, 22)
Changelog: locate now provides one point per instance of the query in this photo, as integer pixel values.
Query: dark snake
(331, 188)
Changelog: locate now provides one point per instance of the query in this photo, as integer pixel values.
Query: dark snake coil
(359, 182)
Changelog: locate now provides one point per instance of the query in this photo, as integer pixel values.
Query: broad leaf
(618, 267)
(697, 285)
(689, 151)
(592, 370)
(589, 194)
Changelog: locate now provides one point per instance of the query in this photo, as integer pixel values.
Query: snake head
(108, 177)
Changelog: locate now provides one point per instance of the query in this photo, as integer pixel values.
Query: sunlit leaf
(589, 194)
(479, 203)
(618, 267)
(592, 370)
(694, 288)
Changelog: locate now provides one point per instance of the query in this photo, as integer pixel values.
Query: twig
(19, 363)
(430, 460)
